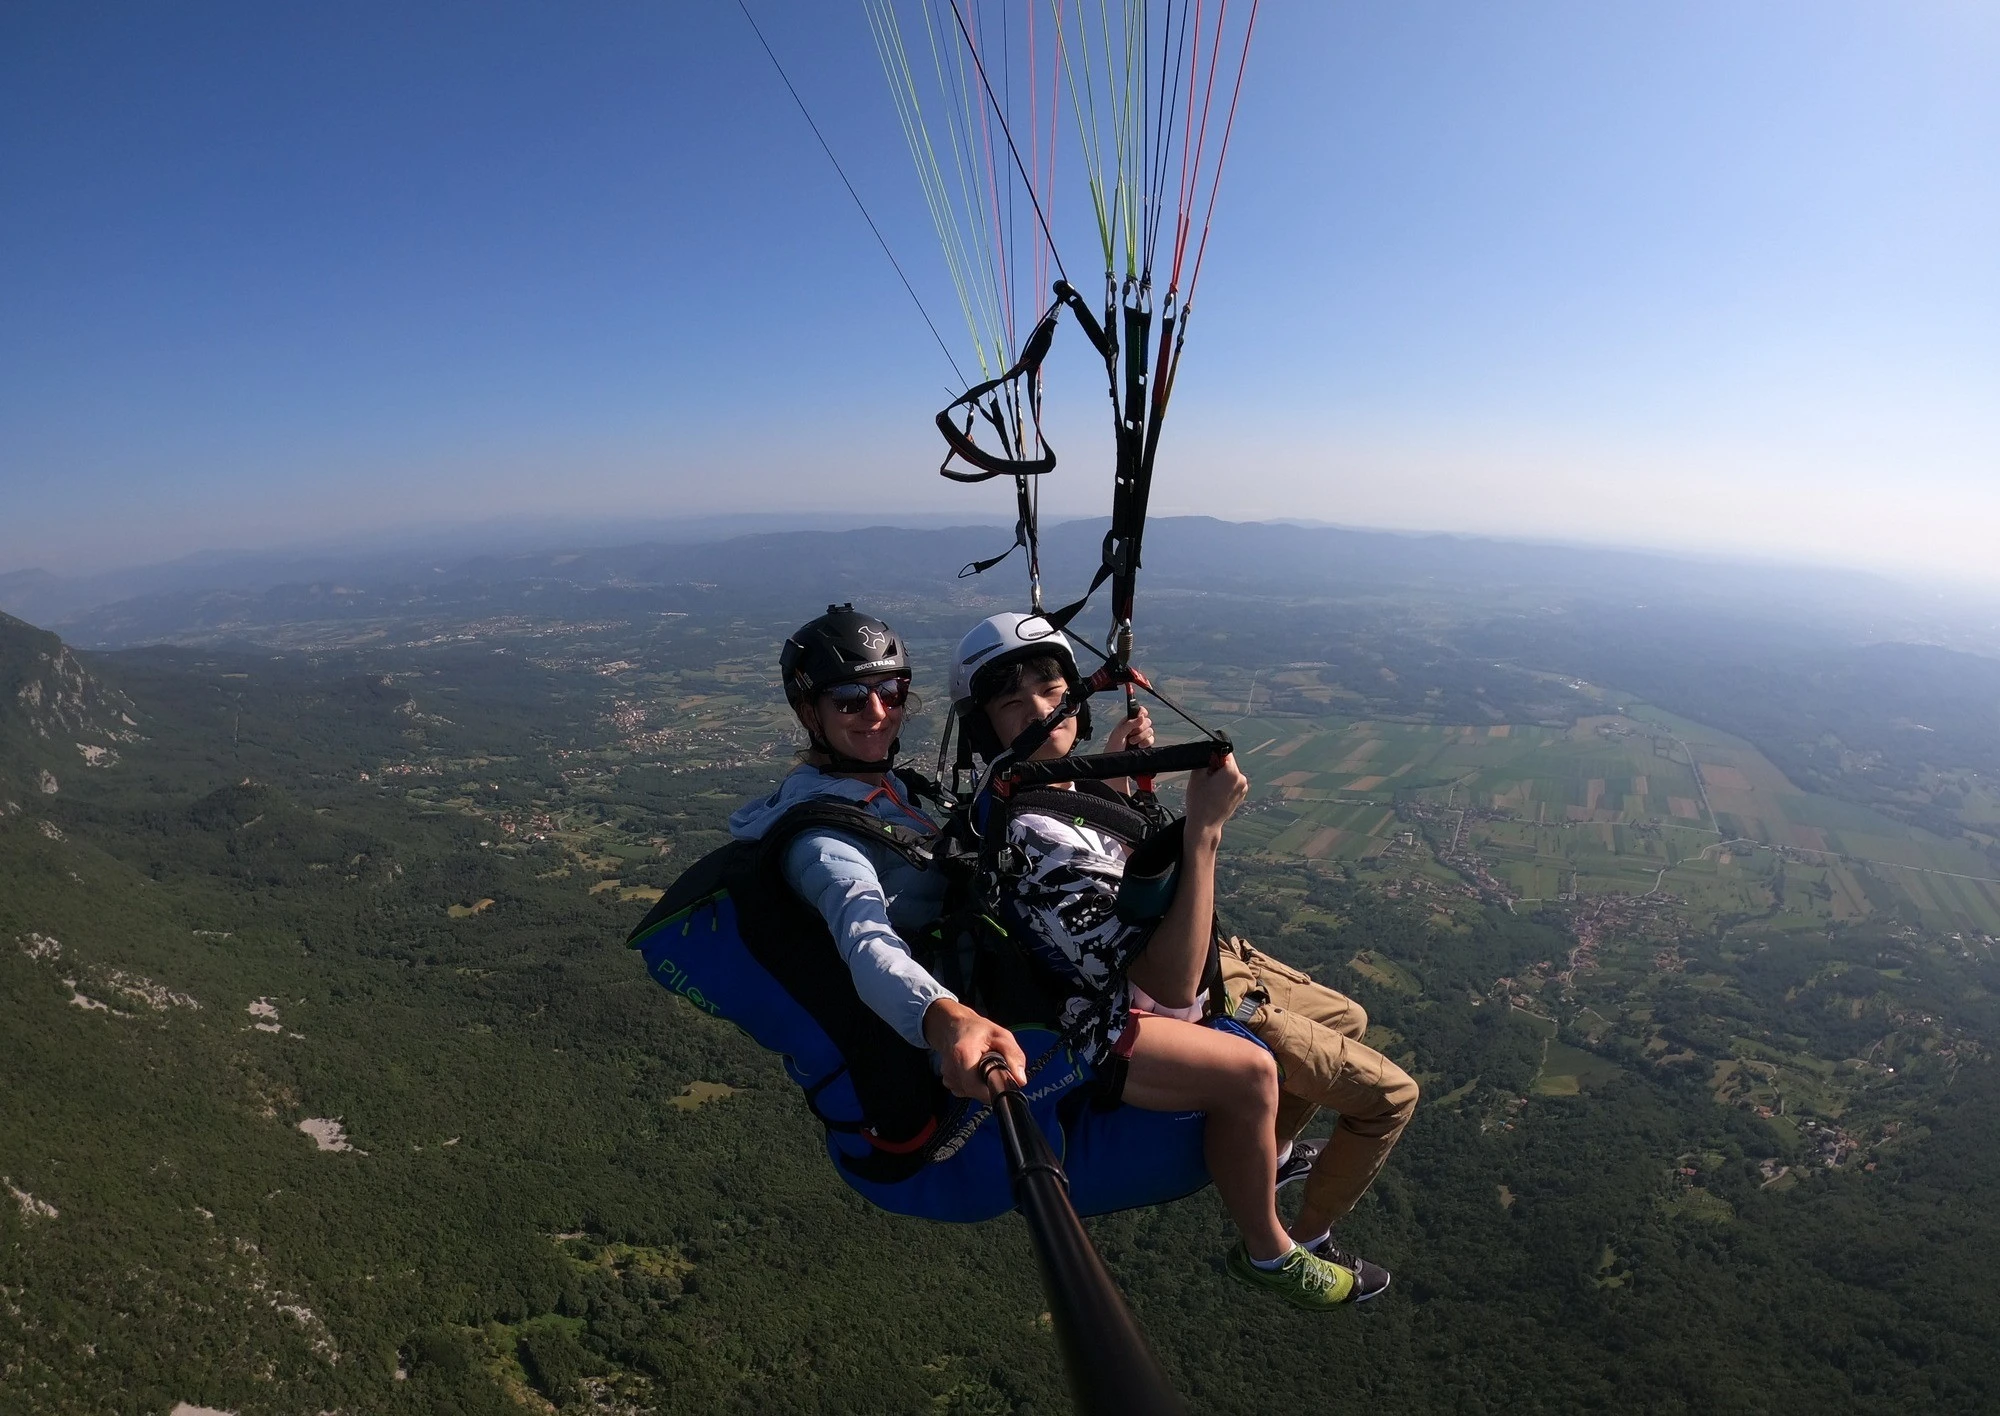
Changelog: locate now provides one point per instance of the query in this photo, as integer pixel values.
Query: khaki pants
(1315, 1033)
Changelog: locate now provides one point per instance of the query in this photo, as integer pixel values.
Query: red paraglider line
(1042, 185)
(1185, 196)
(1034, 133)
(1001, 116)
(1222, 153)
(1201, 138)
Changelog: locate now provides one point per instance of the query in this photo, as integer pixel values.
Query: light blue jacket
(869, 896)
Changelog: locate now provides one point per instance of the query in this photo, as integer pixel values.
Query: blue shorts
(1117, 1159)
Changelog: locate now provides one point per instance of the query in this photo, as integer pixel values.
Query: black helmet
(840, 646)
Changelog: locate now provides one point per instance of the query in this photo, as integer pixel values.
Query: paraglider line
(1165, 112)
(860, 205)
(1222, 155)
(1008, 134)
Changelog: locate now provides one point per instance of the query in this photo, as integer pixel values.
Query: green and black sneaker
(1369, 1279)
(1301, 1280)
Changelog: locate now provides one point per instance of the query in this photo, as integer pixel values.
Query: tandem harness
(735, 941)
(1012, 973)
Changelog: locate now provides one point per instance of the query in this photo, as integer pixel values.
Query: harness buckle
(1248, 1005)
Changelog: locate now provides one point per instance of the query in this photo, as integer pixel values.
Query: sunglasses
(892, 694)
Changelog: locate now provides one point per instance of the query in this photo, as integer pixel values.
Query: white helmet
(993, 644)
(1006, 639)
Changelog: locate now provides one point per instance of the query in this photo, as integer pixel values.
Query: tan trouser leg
(1315, 1033)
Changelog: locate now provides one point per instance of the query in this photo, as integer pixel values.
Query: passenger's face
(1011, 713)
(864, 735)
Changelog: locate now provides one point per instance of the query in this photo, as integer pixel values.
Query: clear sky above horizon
(1708, 276)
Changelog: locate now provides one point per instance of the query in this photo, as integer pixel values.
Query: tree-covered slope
(329, 1086)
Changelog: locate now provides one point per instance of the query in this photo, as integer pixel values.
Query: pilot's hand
(1214, 793)
(1134, 732)
(961, 1037)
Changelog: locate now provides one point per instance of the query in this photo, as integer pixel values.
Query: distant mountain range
(205, 598)
(44, 597)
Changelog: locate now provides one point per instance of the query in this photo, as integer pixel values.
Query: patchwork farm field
(1632, 802)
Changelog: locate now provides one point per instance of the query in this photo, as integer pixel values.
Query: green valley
(329, 1086)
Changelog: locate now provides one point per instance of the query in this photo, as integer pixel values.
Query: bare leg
(1180, 1066)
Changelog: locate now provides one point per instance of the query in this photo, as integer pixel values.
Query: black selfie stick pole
(1111, 1370)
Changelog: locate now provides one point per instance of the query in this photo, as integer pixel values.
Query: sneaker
(1369, 1279)
(1300, 1162)
(1301, 1280)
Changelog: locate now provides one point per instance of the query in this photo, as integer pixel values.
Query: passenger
(1315, 1033)
(1137, 997)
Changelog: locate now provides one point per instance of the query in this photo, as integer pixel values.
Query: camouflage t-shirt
(1064, 905)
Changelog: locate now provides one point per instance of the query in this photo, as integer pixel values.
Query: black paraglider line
(1150, 691)
(1163, 127)
(1137, 416)
(860, 205)
(1140, 404)
(1132, 442)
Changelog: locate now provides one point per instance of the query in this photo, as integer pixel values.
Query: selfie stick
(1111, 1370)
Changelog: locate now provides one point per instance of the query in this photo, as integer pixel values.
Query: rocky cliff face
(55, 718)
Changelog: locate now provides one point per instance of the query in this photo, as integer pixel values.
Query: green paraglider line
(1007, 133)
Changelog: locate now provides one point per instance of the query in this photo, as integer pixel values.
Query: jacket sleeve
(836, 877)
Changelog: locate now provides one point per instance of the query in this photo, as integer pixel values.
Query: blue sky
(1707, 276)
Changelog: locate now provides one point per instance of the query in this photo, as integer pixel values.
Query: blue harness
(950, 1167)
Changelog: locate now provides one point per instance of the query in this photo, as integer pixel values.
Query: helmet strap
(976, 737)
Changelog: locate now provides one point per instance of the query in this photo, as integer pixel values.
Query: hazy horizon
(456, 543)
(1693, 280)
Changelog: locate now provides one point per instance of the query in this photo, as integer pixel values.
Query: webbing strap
(913, 846)
(812, 1103)
(978, 402)
(980, 567)
(1061, 618)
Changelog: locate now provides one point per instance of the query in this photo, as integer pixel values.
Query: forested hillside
(54, 717)
(329, 1085)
